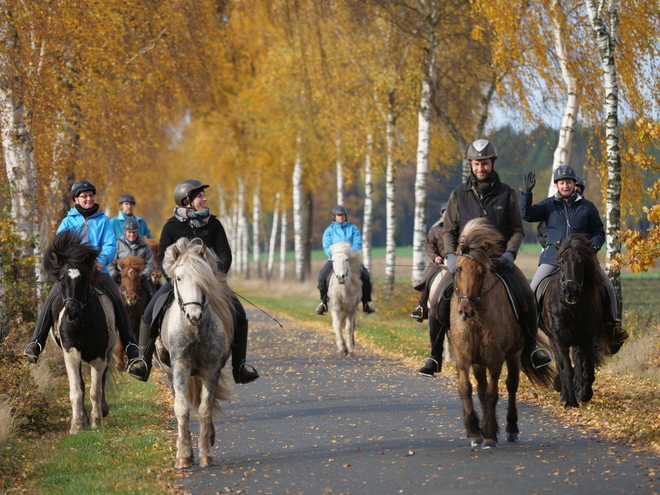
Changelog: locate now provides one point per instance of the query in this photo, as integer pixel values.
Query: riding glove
(505, 262)
(529, 182)
(450, 262)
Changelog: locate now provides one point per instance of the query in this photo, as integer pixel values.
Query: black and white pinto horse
(344, 295)
(194, 343)
(84, 325)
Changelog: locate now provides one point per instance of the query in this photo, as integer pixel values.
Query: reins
(182, 305)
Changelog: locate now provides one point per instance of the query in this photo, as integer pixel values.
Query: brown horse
(155, 279)
(485, 334)
(133, 297)
(572, 316)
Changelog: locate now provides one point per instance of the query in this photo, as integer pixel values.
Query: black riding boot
(142, 367)
(540, 356)
(44, 322)
(437, 335)
(243, 372)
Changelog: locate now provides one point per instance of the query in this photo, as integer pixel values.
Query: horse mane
(481, 240)
(354, 257)
(69, 248)
(201, 263)
(593, 279)
(134, 262)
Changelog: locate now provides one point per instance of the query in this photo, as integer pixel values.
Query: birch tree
(368, 207)
(283, 246)
(273, 237)
(256, 230)
(299, 254)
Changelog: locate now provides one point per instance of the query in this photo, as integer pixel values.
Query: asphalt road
(315, 423)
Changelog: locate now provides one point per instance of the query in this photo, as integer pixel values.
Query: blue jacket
(338, 232)
(97, 232)
(579, 216)
(118, 224)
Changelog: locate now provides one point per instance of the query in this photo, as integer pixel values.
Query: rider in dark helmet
(131, 244)
(483, 195)
(435, 249)
(341, 230)
(192, 218)
(569, 212)
(542, 229)
(126, 207)
(87, 215)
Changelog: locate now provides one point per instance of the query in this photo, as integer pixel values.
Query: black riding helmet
(80, 186)
(131, 225)
(580, 183)
(564, 172)
(339, 210)
(481, 148)
(187, 190)
(127, 198)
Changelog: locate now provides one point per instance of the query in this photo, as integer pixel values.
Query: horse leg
(584, 372)
(105, 408)
(206, 428)
(337, 325)
(351, 322)
(97, 370)
(470, 417)
(512, 381)
(490, 428)
(567, 376)
(72, 361)
(184, 454)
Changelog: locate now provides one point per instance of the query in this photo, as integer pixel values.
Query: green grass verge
(132, 454)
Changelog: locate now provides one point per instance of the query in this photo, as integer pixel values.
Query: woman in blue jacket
(90, 219)
(341, 230)
(565, 213)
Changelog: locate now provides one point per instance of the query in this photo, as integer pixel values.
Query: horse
(485, 333)
(155, 278)
(133, 297)
(194, 343)
(84, 325)
(572, 317)
(435, 283)
(344, 295)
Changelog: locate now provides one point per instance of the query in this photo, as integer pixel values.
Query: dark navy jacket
(578, 217)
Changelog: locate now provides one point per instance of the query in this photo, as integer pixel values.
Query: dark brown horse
(572, 316)
(133, 297)
(485, 333)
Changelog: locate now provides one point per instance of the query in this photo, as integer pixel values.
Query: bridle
(82, 303)
(182, 305)
(473, 300)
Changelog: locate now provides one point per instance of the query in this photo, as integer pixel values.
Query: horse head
(340, 260)
(576, 258)
(131, 268)
(478, 244)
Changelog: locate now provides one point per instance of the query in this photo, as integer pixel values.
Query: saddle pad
(162, 304)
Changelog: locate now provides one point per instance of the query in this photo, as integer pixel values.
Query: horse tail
(540, 377)
(222, 393)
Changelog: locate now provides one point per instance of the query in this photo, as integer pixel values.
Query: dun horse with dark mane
(485, 334)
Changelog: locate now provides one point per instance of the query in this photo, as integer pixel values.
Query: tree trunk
(308, 227)
(569, 119)
(273, 237)
(606, 41)
(340, 175)
(390, 207)
(299, 254)
(368, 207)
(283, 246)
(256, 230)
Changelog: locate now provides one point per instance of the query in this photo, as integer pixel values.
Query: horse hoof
(475, 442)
(206, 461)
(489, 444)
(512, 437)
(568, 406)
(184, 463)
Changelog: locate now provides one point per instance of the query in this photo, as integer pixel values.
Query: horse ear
(485, 246)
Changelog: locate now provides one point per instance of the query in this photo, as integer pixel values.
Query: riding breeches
(324, 274)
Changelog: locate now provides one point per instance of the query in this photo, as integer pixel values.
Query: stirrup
(33, 359)
(130, 369)
(547, 354)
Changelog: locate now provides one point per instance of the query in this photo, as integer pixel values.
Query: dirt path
(315, 423)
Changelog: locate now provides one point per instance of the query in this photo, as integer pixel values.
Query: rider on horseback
(126, 207)
(435, 249)
(131, 244)
(483, 195)
(193, 219)
(565, 213)
(342, 230)
(89, 218)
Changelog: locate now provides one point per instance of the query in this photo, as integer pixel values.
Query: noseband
(473, 300)
(182, 305)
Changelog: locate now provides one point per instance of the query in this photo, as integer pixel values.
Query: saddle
(162, 305)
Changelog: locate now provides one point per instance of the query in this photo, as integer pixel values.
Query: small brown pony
(133, 297)
(485, 334)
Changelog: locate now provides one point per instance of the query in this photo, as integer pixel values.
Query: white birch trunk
(273, 237)
(569, 119)
(606, 40)
(368, 208)
(421, 175)
(234, 238)
(390, 208)
(242, 231)
(256, 230)
(283, 246)
(299, 254)
(340, 175)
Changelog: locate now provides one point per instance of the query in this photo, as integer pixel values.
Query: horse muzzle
(72, 310)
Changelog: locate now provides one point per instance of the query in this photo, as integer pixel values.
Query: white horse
(194, 343)
(447, 355)
(345, 294)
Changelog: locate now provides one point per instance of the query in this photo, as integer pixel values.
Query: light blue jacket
(338, 232)
(97, 232)
(118, 224)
